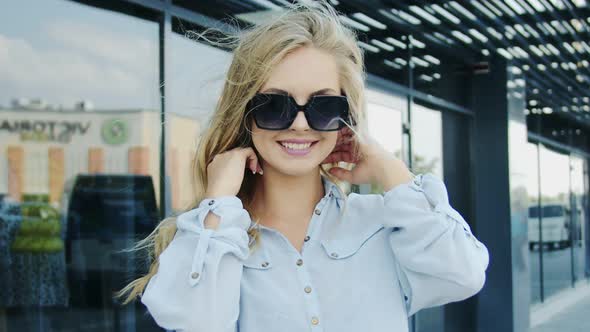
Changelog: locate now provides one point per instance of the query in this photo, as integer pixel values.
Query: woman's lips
(293, 149)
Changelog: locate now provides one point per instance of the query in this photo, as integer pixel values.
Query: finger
(346, 130)
(352, 153)
(259, 169)
(341, 173)
(343, 147)
(255, 165)
(345, 156)
(342, 139)
(251, 159)
(345, 139)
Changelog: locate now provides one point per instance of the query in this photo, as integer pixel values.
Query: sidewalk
(575, 318)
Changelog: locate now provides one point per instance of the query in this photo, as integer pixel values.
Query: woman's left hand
(373, 164)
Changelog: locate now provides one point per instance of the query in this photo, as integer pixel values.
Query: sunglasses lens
(277, 112)
(271, 111)
(328, 113)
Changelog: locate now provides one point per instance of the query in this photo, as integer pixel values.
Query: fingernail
(261, 171)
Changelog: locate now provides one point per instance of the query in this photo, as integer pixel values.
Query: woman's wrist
(211, 221)
(393, 173)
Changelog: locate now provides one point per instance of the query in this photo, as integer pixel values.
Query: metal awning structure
(547, 40)
(546, 43)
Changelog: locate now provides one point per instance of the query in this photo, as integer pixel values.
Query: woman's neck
(281, 200)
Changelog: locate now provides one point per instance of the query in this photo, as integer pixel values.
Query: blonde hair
(255, 53)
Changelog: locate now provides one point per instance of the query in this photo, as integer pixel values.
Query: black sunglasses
(278, 111)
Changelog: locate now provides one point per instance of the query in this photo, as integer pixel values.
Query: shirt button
(306, 238)
(211, 202)
(307, 289)
(265, 264)
(300, 262)
(195, 275)
(331, 194)
(318, 211)
(335, 255)
(315, 320)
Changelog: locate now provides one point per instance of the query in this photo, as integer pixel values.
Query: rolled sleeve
(197, 285)
(440, 259)
(234, 221)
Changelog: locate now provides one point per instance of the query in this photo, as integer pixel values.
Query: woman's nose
(300, 122)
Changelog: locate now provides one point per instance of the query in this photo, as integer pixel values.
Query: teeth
(294, 146)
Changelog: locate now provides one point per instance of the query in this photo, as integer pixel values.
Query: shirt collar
(331, 189)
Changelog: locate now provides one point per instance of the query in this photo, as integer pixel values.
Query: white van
(555, 226)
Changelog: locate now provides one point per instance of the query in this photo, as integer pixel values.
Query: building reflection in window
(79, 167)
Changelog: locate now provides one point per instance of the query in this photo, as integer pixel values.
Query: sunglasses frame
(306, 109)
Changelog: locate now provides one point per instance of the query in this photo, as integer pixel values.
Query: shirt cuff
(434, 196)
(229, 209)
(234, 222)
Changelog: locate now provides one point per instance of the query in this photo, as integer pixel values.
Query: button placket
(312, 223)
(309, 296)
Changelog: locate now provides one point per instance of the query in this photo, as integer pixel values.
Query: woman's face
(301, 74)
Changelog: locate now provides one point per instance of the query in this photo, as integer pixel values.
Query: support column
(501, 198)
(56, 174)
(139, 160)
(16, 172)
(95, 160)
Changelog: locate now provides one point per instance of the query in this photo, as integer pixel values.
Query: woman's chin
(296, 168)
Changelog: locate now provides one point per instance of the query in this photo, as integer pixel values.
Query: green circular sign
(115, 131)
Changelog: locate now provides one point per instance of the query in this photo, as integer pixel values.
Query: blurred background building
(102, 104)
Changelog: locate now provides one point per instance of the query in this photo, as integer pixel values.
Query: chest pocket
(345, 244)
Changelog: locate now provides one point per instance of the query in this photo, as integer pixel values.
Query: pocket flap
(346, 245)
(258, 259)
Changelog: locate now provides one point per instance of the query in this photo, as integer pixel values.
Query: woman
(314, 259)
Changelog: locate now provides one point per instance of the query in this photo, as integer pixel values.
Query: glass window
(532, 187)
(555, 231)
(548, 211)
(79, 135)
(195, 73)
(579, 209)
(427, 155)
(385, 124)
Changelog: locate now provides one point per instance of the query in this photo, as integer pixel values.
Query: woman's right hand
(226, 172)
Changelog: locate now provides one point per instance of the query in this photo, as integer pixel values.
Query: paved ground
(574, 319)
(557, 271)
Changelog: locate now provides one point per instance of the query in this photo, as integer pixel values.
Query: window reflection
(79, 131)
(384, 117)
(195, 77)
(579, 208)
(557, 224)
(427, 141)
(555, 228)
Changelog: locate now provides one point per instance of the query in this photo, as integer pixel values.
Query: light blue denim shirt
(387, 257)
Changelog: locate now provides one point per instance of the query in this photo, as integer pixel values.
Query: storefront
(449, 92)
